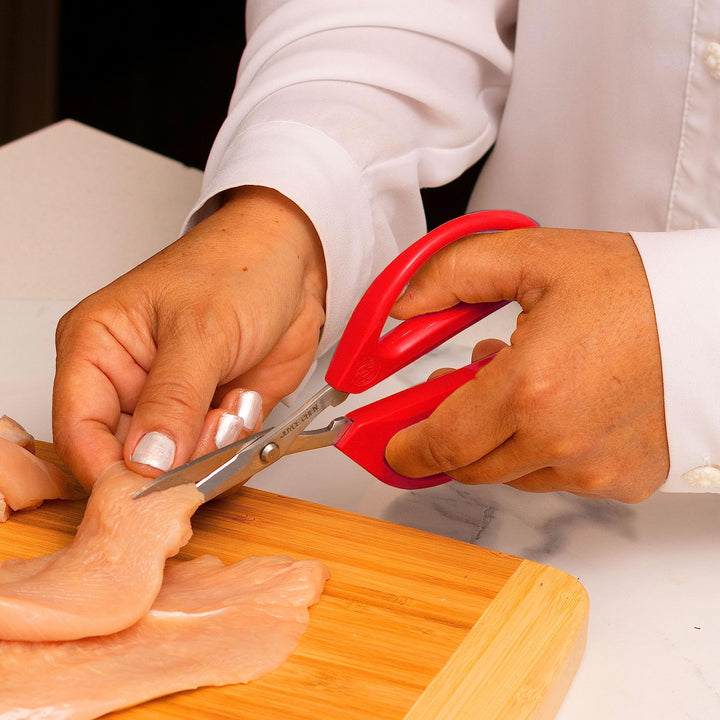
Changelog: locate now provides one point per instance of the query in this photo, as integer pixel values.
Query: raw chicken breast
(20, 568)
(16, 433)
(26, 480)
(210, 625)
(110, 575)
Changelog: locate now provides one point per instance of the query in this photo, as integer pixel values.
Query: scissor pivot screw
(270, 453)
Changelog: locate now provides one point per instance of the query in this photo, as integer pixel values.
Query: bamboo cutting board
(412, 626)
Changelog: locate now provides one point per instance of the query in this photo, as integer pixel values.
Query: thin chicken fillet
(210, 625)
(25, 479)
(110, 575)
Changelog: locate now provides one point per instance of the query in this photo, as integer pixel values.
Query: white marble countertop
(78, 207)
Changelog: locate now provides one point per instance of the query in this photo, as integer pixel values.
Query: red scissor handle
(362, 358)
(373, 425)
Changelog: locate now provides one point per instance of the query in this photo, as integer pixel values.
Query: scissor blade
(254, 458)
(200, 468)
(235, 464)
(275, 443)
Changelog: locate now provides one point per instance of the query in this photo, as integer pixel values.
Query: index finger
(86, 413)
(474, 420)
(88, 403)
(486, 267)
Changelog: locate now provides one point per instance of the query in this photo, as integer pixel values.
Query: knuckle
(62, 326)
(564, 447)
(538, 389)
(598, 483)
(84, 323)
(617, 484)
(441, 451)
(470, 475)
(174, 400)
(199, 321)
(536, 403)
(67, 325)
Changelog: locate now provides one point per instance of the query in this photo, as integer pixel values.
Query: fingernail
(228, 430)
(247, 413)
(156, 450)
(249, 408)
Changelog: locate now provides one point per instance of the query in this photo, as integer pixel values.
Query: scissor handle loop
(373, 425)
(363, 358)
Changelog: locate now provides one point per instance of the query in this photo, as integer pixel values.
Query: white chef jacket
(603, 115)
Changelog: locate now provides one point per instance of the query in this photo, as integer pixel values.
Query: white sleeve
(349, 108)
(683, 269)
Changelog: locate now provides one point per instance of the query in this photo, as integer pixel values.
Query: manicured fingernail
(156, 450)
(247, 414)
(228, 429)
(249, 408)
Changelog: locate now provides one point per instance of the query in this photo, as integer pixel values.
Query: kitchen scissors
(364, 357)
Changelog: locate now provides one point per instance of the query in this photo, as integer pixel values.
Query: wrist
(285, 226)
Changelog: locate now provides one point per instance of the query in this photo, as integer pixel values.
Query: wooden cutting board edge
(542, 613)
(519, 658)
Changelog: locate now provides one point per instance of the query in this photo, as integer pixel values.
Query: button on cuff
(712, 59)
(704, 476)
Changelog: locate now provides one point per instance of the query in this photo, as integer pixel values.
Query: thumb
(430, 289)
(477, 268)
(172, 405)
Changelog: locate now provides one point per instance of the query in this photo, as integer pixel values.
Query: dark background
(159, 74)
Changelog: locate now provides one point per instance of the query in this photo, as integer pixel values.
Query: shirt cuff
(682, 270)
(315, 173)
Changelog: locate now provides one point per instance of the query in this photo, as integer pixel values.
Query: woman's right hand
(238, 302)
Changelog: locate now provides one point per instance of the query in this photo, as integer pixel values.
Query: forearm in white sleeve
(349, 108)
(682, 269)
